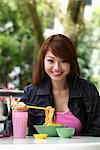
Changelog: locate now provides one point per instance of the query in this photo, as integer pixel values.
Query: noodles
(49, 117)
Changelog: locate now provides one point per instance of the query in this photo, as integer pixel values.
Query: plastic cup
(19, 120)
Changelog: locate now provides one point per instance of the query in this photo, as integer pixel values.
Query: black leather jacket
(84, 103)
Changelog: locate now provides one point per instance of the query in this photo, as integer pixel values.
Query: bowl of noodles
(50, 126)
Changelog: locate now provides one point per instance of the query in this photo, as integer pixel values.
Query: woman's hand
(20, 107)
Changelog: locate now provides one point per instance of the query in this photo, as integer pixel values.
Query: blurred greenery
(89, 49)
(19, 37)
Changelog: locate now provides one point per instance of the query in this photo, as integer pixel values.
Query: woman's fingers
(20, 107)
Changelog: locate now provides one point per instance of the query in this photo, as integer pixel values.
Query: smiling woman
(57, 83)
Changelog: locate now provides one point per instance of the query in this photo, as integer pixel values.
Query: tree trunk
(74, 23)
(36, 23)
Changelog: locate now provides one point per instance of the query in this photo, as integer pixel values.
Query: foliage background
(22, 27)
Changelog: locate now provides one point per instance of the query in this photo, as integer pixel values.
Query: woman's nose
(56, 66)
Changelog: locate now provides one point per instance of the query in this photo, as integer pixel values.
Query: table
(51, 143)
(13, 93)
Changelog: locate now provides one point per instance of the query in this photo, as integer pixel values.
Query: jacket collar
(74, 89)
(44, 88)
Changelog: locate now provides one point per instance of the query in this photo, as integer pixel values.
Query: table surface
(55, 143)
(14, 93)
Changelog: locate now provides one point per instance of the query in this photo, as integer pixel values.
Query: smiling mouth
(56, 73)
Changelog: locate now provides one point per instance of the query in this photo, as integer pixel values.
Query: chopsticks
(34, 107)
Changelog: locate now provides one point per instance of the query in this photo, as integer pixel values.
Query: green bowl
(50, 130)
(65, 132)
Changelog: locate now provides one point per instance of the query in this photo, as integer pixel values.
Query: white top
(51, 143)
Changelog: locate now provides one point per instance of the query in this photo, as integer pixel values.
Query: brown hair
(61, 46)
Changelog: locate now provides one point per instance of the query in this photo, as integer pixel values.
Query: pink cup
(19, 124)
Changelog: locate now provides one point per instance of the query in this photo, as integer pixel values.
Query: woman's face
(56, 68)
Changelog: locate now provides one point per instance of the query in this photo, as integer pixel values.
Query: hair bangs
(60, 50)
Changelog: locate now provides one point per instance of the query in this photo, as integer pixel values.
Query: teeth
(57, 73)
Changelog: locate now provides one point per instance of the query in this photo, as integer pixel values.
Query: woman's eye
(50, 60)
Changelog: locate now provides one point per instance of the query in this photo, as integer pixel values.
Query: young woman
(57, 83)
